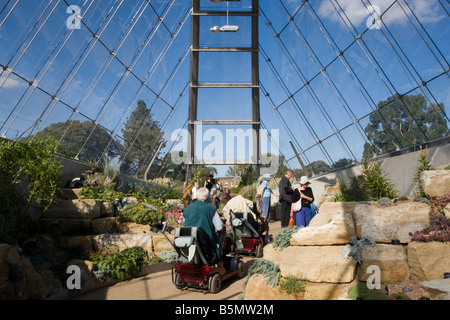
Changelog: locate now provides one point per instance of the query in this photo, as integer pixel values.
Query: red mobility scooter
(194, 269)
(247, 238)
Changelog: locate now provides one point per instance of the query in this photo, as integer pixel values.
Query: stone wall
(315, 252)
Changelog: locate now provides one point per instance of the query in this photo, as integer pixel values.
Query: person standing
(285, 189)
(305, 193)
(266, 193)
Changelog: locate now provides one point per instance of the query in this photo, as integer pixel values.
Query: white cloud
(427, 11)
(10, 82)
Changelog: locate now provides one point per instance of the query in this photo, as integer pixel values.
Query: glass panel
(241, 38)
(224, 104)
(225, 67)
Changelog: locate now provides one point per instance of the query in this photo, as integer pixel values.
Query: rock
(389, 258)
(4, 268)
(447, 211)
(86, 267)
(67, 226)
(313, 263)
(68, 193)
(329, 209)
(437, 286)
(435, 183)
(131, 227)
(393, 222)
(257, 289)
(103, 225)
(160, 244)
(28, 283)
(428, 260)
(112, 243)
(107, 209)
(7, 291)
(74, 209)
(327, 291)
(339, 230)
(329, 194)
(83, 243)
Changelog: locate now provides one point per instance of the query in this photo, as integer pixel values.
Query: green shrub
(268, 269)
(424, 165)
(128, 262)
(292, 285)
(283, 238)
(141, 213)
(361, 291)
(357, 191)
(375, 181)
(30, 173)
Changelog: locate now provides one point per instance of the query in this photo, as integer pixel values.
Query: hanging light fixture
(227, 27)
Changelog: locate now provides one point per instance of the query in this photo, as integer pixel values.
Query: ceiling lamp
(227, 27)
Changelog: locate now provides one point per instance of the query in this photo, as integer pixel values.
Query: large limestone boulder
(428, 261)
(391, 259)
(328, 209)
(339, 230)
(435, 183)
(113, 243)
(75, 209)
(161, 244)
(313, 263)
(385, 223)
(327, 291)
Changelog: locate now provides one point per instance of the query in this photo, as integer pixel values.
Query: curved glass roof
(338, 78)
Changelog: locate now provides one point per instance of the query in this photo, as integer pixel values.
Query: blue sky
(81, 72)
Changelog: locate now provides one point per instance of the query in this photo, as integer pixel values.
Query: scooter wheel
(240, 269)
(215, 283)
(259, 251)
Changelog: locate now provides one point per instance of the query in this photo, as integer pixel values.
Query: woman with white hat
(305, 196)
(265, 191)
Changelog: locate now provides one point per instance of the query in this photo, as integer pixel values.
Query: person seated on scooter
(202, 215)
(240, 204)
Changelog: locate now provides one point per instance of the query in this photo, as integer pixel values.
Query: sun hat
(267, 176)
(304, 180)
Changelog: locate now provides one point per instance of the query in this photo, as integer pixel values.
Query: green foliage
(30, 175)
(356, 191)
(283, 238)
(141, 213)
(268, 269)
(146, 192)
(169, 256)
(384, 201)
(99, 186)
(375, 181)
(292, 285)
(289, 284)
(72, 135)
(128, 262)
(142, 137)
(403, 121)
(361, 291)
(424, 165)
(356, 247)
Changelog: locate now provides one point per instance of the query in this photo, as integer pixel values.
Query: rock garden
(395, 249)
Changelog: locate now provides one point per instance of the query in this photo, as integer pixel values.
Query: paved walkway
(157, 285)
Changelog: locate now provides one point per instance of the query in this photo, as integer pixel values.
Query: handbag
(297, 206)
(291, 222)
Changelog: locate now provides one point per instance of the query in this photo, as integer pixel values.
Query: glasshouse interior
(122, 107)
